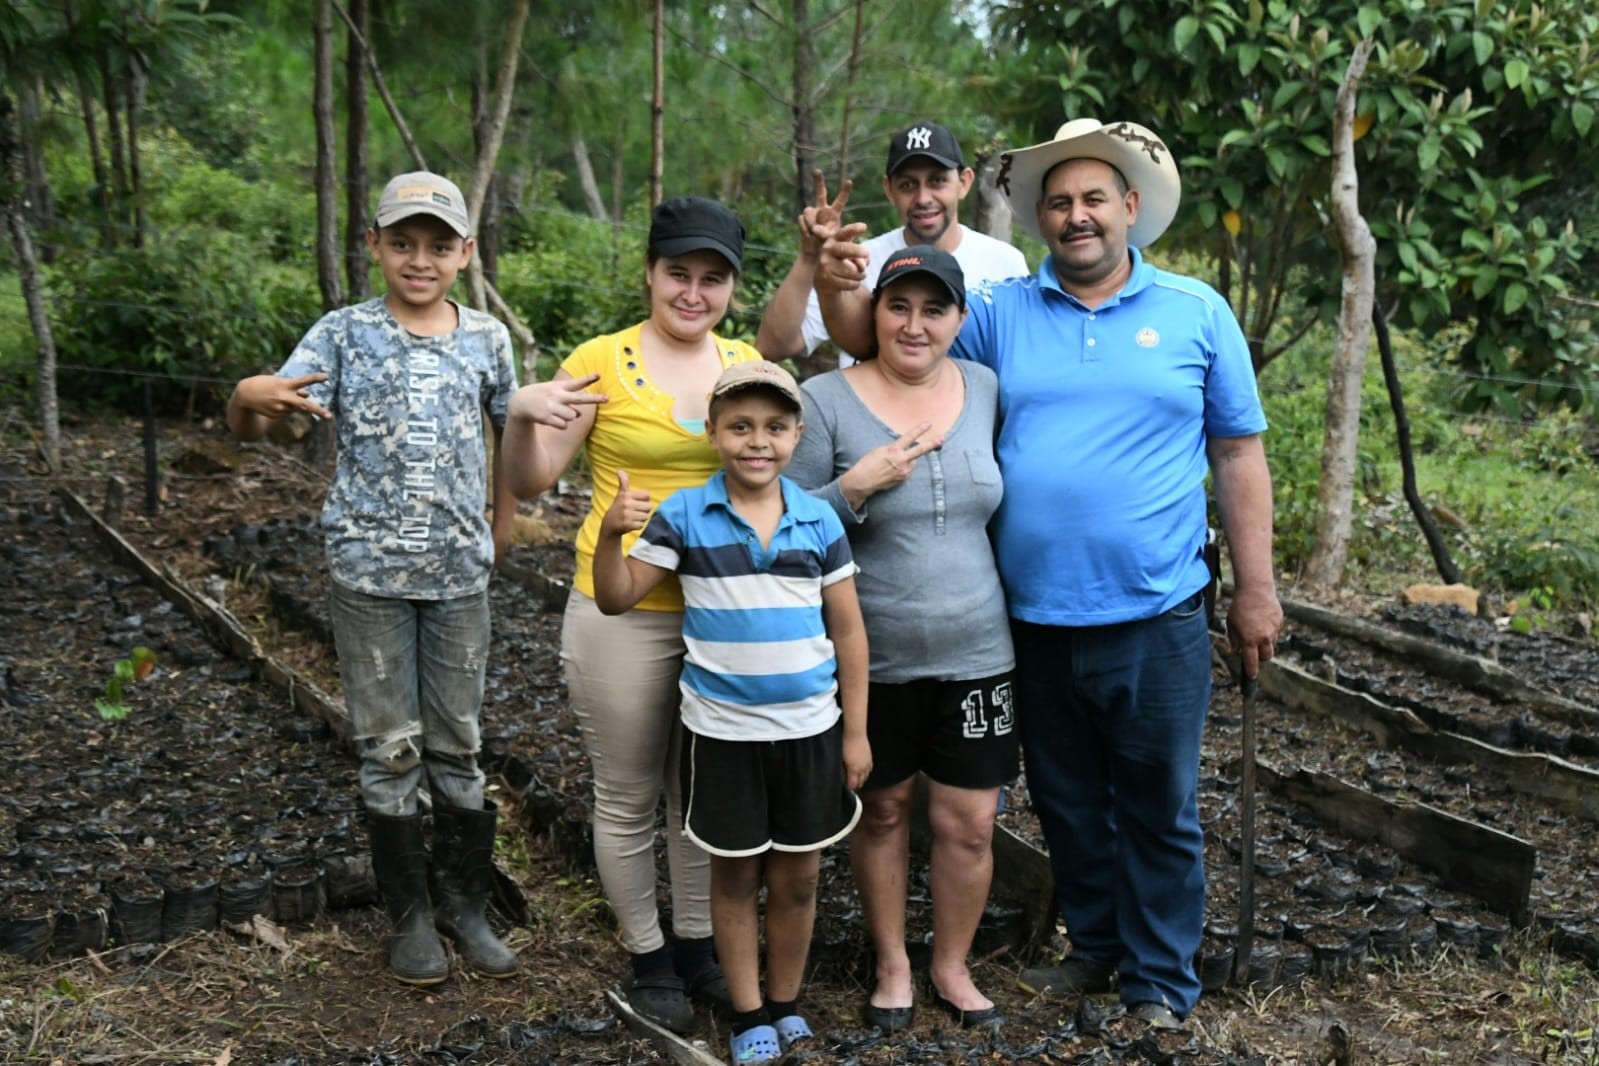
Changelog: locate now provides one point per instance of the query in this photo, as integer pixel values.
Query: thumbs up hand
(629, 511)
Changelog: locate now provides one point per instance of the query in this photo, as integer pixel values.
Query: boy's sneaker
(1157, 1015)
(1073, 976)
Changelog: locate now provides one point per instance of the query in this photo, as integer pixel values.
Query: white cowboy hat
(1143, 159)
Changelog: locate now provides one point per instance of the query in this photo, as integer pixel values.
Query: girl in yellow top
(638, 400)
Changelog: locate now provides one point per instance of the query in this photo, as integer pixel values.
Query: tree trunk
(1434, 536)
(1335, 495)
(116, 193)
(41, 202)
(804, 107)
(31, 278)
(133, 88)
(91, 133)
(993, 213)
(382, 87)
(849, 90)
(327, 177)
(618, 175)
(585, 178)
(488, 156)
(477, 270)
(356, 163)
(658, 107)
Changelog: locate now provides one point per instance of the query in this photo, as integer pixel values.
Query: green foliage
(1522, 529)
(136, 667)
(184, 307)
(1557, 444)
(1467, 107)
(570, 277)
(219, 289)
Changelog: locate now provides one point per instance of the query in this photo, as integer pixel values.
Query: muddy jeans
(621, 673)
(413, 683)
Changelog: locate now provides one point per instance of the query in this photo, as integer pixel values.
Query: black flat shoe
(986, 1018)
(888, 1019)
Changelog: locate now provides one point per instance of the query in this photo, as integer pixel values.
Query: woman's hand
(555, 403)
(887, 466)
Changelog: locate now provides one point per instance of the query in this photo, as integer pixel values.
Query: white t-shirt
(982, 258)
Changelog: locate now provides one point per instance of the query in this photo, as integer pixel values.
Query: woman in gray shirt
(901, 444)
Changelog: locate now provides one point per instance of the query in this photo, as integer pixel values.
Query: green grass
(16, 335)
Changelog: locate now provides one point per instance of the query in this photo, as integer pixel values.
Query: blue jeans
(413, 683)
(1111, 719)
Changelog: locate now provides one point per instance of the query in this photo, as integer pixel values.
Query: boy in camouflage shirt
(406, 378)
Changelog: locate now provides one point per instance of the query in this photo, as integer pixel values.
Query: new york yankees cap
(424, 193)
(924, 138)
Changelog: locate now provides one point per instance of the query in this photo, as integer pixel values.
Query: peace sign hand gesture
(820, 222)
(273, 397)
(887, 466)
(557, 402)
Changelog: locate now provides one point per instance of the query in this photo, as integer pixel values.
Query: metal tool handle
(1248, 687)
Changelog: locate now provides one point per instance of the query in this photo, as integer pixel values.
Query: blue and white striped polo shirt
(759, 663)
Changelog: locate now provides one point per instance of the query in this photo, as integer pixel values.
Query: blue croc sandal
(757, 1045)
(791, 1030)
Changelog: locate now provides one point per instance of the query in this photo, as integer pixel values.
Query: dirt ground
(313, 991)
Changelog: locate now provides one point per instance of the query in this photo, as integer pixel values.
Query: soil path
(240, 523)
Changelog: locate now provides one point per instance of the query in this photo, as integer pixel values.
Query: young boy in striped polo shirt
(775, 645)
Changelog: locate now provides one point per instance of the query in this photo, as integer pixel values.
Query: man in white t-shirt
(926, 179)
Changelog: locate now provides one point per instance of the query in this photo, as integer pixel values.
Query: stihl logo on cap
(920, 137)
(902, 261)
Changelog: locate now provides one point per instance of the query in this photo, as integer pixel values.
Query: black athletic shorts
(744, 797)
(959, 733)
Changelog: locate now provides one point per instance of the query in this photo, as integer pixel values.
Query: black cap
(684, 224)
(925, 138)
(924, 259)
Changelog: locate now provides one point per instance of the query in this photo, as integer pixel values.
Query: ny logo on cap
(920, 137)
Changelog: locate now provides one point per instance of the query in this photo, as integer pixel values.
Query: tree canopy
(1476, 124)
(1477, 150)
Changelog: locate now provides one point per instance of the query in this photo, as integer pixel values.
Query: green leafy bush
(222, 288)
(189, 307)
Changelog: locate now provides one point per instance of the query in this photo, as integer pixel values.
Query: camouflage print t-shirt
(404, 516)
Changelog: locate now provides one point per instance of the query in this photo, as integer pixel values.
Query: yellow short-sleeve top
(635, 431)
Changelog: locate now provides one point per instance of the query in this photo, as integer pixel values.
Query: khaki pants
(621, 675)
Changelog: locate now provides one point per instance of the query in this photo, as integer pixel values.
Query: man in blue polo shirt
(1120, 386)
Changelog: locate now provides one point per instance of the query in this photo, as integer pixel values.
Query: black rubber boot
(399, 862)
(463, 856)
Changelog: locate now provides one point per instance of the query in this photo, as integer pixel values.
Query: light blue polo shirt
(1104, 418)
(759, 664)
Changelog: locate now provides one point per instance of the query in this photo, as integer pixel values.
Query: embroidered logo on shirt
(1147, 337)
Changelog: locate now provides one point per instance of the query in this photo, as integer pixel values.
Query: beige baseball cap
(759, 374)
(422, 192)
